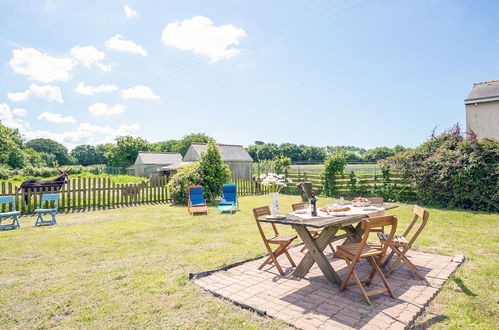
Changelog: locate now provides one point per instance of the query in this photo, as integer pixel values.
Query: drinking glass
(342, 200)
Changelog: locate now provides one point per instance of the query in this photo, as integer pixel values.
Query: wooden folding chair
(377, 201)
(374, 253)
(401, 244)
(282, 240)
(314, 232)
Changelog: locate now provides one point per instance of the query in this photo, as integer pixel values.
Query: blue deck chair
(229, 199)
(47, 199)
(13, 213)
(196, 202)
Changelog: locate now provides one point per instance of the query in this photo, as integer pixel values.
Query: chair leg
(289, 257)
(387, 260)
(396, 262)
(373, 271)
(409, 264)
(350, 265)
(361, 288)
(385, 282)
(38, 218)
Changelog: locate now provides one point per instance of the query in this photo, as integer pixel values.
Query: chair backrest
(196, 197)
(229, 193)
(7, 200)
(261, 212)
(299, 206)
(50, 198)
(376, 200)
(419, 213)
(376, 223)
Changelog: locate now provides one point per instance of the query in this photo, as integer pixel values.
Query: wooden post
(79, 193)
(94, 193)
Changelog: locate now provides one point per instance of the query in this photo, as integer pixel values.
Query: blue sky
(316, 72)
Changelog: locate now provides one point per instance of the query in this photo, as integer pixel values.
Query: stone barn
(234, 156)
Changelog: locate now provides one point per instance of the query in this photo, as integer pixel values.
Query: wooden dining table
(329, 225)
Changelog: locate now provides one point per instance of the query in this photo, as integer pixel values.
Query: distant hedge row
(7, 173)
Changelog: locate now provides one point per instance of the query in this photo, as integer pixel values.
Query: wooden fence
(91, 193)
(248, 187)
(364, 183)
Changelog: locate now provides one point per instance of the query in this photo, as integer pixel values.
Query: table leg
(355, 233)
(315, 254)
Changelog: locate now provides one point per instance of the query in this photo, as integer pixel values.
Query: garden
(129, 263)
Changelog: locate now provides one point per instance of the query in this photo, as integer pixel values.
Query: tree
(11, 142)
(378, 154)
(313, 154)
(268, 151)
(291, 151)
(51, 147)
(212, 171)
(182, 145)
(253, 151)
(48, 159)
(164, 146)
(125, 152)
(100, 149)
(85, 154)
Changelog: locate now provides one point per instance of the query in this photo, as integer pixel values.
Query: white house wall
(483, 119)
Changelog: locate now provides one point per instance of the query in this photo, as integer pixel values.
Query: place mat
(353, 211)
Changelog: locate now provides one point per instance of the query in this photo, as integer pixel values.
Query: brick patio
(314, 303)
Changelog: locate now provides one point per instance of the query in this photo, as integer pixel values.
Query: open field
(317, 168)
(128, 268)
(118, 179)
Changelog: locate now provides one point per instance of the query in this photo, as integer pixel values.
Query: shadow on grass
(463, 286)
(428, 323)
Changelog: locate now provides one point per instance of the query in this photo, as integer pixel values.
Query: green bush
(5, 172)
(453, 172)
(180, 182)
(333, 168)
(212, 171)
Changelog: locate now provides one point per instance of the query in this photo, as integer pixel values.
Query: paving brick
(314, 303)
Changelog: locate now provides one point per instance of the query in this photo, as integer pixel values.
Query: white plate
(300, 211)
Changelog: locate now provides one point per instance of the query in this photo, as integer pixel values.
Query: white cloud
(19, 112)
(48, 92)
(84, 89)
(85, 133)
(202, 37)
(101, 109)
(139, 92)
(129, 12)
(56, 118)
(8, 117)
(90, 56)
(40, 66)
(120, 44)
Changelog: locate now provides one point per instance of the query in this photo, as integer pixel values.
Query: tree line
(301, 153)
(16, 153)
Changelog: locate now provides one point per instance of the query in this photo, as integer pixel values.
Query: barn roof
(160, 158)
(176, 166)
(483, 92)
(228, 152)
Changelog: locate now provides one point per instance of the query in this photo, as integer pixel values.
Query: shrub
(333, 168)
(180, 182)
(451, 171)
(5, 172)
(212, 171)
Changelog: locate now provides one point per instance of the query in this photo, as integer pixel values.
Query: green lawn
(128, 268)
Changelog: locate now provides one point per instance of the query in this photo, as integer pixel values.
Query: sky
(315, 72)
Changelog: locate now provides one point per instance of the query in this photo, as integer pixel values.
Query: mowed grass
(128, 268)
